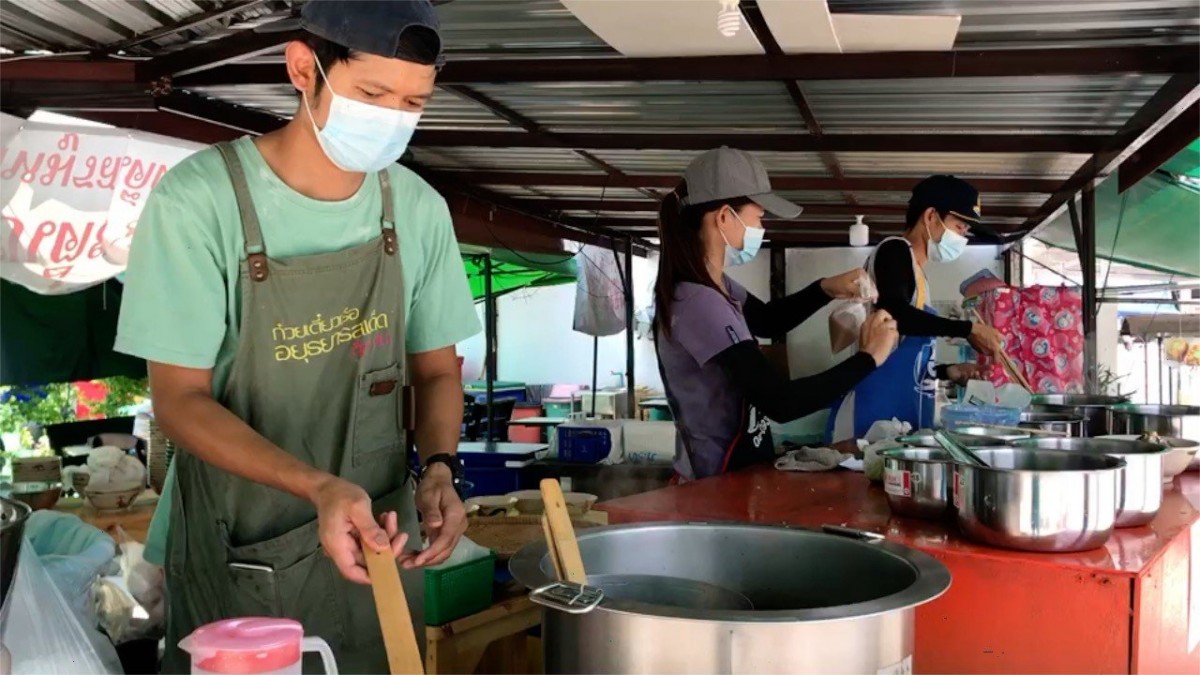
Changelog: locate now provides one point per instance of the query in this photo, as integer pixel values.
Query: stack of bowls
(1091, 408)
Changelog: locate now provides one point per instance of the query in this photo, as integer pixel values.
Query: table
(603, 480)
(460, 646)
(1126, 607)
(134, 521)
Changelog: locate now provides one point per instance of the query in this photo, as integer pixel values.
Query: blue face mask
(362, 138)
(949, 248)
(751, 242)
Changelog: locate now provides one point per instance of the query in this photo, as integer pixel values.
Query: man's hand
(346, 525)
(985, 339)
(847, 285)
(961, 373)
(442, 514)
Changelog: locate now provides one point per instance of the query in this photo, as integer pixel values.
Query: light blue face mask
(751, 242)
(949, 248)
(360, 137)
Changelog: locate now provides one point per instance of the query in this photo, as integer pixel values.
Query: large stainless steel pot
(13, 515)
(1179, 421)
(925, 439)
(821, 602)
(1038, 500)
(1139, 488)
(1093, 409)
(1047, 421)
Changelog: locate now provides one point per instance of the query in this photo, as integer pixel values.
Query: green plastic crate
(461, 590)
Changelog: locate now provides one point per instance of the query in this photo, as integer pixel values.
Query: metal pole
(1087, 260)
(595, 373)
(489, 328)
(1158, 354)
(630, 403)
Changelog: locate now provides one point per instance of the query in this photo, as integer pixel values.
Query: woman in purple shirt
(720, 386)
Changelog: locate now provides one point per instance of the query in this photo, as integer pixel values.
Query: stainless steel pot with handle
(1070, 425)
(820, 602)
(13, 515)
(1139, 487)
(1178, 421)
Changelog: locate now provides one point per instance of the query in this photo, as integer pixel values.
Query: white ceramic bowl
(493, 505)
(529, 502)
(1174, 462)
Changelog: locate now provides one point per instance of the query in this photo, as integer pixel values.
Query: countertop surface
(768, 496)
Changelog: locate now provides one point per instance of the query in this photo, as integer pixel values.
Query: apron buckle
(258, 266)
(389, 241)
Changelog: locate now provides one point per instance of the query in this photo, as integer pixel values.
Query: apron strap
(390, 245)
(256, 252)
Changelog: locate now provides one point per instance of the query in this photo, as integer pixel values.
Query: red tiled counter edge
(1121, 608)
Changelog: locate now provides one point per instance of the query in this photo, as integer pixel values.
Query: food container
(112, 499)
(1093, 409)
(1176, 461)
(1052, 421)
(1178, 421)
(919, 482)
(529, 502)
(820, 602)
(1038, 500)
(13, 515)
(1139, 493)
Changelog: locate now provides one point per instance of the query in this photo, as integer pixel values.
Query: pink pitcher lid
(245, 645)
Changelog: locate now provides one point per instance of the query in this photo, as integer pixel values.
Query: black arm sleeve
(773, 320)
(896, 283)
(785, 400)
(942, 372)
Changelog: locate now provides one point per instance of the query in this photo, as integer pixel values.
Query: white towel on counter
(811, 459)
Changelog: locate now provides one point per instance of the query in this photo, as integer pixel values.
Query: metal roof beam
(963, 143)
(867, 66)
(822, 183)
(241, 44)
(638, 206)
(1174, 137)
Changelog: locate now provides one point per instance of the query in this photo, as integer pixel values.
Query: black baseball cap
(370, 26)
(948, 194)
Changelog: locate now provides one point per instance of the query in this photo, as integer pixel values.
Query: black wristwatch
(457, 474)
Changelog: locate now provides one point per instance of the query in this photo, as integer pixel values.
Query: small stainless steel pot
(1093, 409)
(919, 482)
(1038, 500)
(1140, 490)
(1048, 421)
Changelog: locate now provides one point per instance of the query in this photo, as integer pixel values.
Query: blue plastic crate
(584, 445)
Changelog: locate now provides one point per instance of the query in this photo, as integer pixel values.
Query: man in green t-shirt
(298, 297)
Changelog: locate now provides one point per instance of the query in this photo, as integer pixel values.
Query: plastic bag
(881, 436)
(41, 633)
(848, 316)
(131, 605)
(599, 293)
(73, 553)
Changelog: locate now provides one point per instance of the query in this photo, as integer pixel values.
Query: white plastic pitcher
(258, 645)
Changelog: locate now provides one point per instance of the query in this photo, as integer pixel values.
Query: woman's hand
(848, 285)
(879, 336)
(986, 339)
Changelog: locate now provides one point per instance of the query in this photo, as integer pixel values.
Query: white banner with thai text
(71, 199)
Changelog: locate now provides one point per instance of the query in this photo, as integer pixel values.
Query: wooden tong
(560, 534)
(1014, 373)
(395, 622)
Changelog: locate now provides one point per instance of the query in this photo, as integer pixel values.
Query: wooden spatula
(395, 622)
(561, 534)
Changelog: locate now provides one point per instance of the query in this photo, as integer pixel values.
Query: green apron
(319, 371)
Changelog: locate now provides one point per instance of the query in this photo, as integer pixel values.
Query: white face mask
(949, 248)
(359, 137)
(751, 242)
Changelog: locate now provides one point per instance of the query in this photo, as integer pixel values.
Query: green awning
(512, 271)
(1158, 219)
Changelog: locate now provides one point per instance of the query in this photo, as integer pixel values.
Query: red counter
(1122, 608)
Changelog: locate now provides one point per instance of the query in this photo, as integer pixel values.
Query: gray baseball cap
(726, 173)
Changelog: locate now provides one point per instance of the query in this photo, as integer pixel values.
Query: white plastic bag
(41, 633)
(599, 293)
(132, 604)
(848, 316)
(881, 436)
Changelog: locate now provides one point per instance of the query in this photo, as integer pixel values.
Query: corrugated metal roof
(961, 164)
(631, 106)
(539, 159)
(673, 162)
(512, 28)
(445, 111)
(998, 24)
(984, 104)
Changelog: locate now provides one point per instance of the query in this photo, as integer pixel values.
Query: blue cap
(371, 26)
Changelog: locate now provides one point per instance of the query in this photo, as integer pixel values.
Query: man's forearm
(439, 415)
(214, 434)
